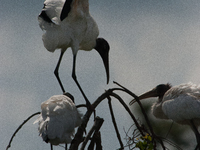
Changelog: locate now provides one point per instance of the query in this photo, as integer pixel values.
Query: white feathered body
(180, 103)
(58, 119)
(78, 30)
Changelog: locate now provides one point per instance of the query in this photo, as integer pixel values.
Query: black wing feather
(44, 16)
(66, 9)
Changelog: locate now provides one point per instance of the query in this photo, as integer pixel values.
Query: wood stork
(179, 103)
(68, 23)
(58, 119)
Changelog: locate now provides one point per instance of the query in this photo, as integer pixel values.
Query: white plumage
(68, 23)
(58, 119)
(179, 103)
(182, 103)
(78, 30)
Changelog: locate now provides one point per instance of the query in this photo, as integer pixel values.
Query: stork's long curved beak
(103, 48)
(105, 58)
(151, 93)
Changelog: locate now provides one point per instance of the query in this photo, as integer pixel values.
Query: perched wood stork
(58, 119)
(179, 103)
(68, 23)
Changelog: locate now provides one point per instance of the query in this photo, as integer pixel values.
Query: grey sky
(151, 41)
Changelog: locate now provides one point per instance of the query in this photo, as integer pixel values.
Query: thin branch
(138, 101)
(114, 123)
(81, 105)
(92, 143)
(97, 125)
(128, 110)
(145, 115)
(79, 135)
(97, 137)
(9, 145)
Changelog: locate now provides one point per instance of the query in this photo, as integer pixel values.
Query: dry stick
(138, 101)
(9, 145)
(92, 143)
(144, 113)
(114, 123)
(128, 138)
(79, 135)
(96, 127)
(128, 110)
(97, 137)
(81, 105)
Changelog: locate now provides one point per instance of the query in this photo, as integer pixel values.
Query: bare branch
(145, 116)
(97, 125)
(138, 101)
(128, 110)
(9, 145)
(79, 135)
(114, 123)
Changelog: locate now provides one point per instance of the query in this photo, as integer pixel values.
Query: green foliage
(145, 143)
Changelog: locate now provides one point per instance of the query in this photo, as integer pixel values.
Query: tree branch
(114, 123)
(79, 135)
(96, 127)
(145, 115)
(9, 145)
(128, 110)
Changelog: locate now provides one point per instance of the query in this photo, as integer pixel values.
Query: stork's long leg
(66, 146)
(56, 71)
(51, 146)
(74, 77)
(196, 132)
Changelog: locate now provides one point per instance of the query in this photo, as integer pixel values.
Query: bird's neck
(160, 98)
(81, 5)
(157, 110)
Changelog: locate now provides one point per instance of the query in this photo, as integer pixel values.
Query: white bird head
(103, 48)
(158, 91)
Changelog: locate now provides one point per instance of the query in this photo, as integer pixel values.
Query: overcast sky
(152, 42)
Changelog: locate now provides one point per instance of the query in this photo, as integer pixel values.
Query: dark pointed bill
(103, 48)
(148, 94)
(66, 9)
(105, 59)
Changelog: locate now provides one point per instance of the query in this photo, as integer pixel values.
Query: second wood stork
(58, 119)
(179, 103)
(68, 23)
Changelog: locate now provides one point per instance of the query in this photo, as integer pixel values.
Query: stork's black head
(102, 45)
(158, 91)
(161, 89)
(103, 48)
(69, 95)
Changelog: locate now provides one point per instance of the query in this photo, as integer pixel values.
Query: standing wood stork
(58, 119)
(179, 103)
(68, 23)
